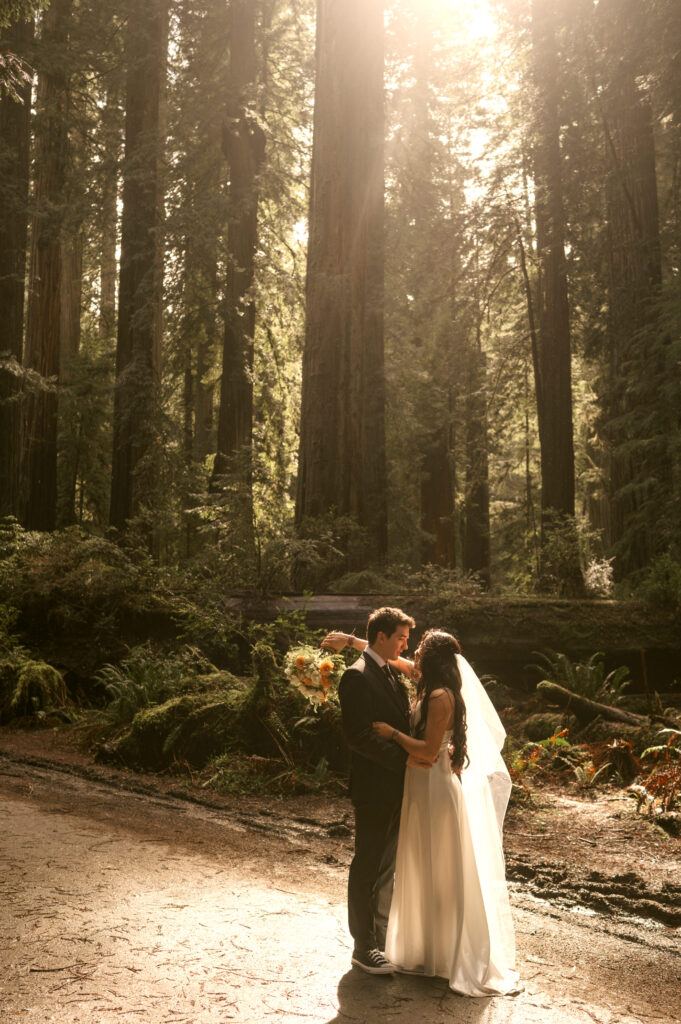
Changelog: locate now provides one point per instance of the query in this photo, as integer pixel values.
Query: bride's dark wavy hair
(436, 662)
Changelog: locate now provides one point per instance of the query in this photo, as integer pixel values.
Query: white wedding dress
(450, 916)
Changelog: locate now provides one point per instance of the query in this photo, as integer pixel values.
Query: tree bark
(244, 148)
(552, 356)
(108, 217)
(14, 176)
(635, 359)
(137, 351)
(552, 348)
(476, 548)
(437, 502)
(43, 328)
(71, 297)
(586, 710)
(342, 446)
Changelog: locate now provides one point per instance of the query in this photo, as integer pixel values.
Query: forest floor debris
(574, 848)
(123, 902)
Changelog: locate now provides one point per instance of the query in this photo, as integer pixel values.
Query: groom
(370, 690)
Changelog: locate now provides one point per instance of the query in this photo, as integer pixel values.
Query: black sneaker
(372, 961)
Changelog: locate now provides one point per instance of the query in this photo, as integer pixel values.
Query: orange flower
(326, 668)
(301, 661)
(326, 682)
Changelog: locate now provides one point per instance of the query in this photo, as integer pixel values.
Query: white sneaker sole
(388, 969)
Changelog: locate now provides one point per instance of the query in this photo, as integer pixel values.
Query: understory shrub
(38, 687)
(148, 676)
(27, 685)
(662, 586)
(662, 785)
(586, 678)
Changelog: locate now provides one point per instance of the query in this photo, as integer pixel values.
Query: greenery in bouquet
(314, 673)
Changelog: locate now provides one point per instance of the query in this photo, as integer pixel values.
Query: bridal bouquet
(313, 672)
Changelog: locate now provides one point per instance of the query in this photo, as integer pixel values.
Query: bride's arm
(427, 749)
(337, 641)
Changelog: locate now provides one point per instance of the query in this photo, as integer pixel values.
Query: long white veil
(486, 787)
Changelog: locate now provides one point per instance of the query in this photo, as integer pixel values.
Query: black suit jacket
(377, 765)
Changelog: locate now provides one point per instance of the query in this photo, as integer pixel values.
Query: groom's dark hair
(386, 620)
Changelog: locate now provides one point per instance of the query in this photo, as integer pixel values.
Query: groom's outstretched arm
(357, 718)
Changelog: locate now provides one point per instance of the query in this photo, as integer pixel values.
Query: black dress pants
(370, 883)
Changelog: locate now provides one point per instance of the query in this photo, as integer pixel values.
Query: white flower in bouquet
(313, 672)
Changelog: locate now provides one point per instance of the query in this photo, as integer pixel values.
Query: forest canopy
(319, 294)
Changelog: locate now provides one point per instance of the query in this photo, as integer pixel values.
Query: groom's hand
(416, 762)
(384, 730)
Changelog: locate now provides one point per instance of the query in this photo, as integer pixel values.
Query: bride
(450, 915)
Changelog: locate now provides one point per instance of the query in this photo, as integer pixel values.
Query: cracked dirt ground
(120, 906)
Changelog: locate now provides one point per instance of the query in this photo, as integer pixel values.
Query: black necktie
(391, 677)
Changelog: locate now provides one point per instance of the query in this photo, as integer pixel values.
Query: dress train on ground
(450, 915)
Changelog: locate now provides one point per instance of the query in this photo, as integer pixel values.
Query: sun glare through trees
(304, 289)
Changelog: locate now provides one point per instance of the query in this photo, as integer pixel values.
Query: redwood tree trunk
(635, 356)
(43, 330)
(559, 562)
(437, 501)
(71, 298)
(137, 350)
(552, 365)
(14, 173)
(244, 149)
(108, 217)
(476, 541)
(342, 444)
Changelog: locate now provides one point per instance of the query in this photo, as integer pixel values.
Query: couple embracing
(427, 891)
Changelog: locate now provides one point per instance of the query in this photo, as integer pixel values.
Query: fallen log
(586, 710)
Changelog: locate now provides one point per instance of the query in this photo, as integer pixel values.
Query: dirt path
(124, 907)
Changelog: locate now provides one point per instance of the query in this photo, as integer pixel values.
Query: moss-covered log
(500, 635)
(587, 710)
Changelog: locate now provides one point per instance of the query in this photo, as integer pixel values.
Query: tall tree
(638, 466)
(551, 353)
(476, 534)
(243, 144)
(44, 321)
(15, 116)
(137, 353)
(342, 444)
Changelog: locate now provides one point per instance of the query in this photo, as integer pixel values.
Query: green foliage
(242, 773)
(560, 558)
(174, 712)
(327, 546)
(39, 687)
(588, 776)
(20, 10)
(67, 569)
(532, 754)
(661, 587)
(27, 686)
(668, 751)
(147, 676)
(599, 578)
(73, 592)
(588, 764)
(586, 678)
(431, 580)
(9, 638)
(662, 785)
(85, 409)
